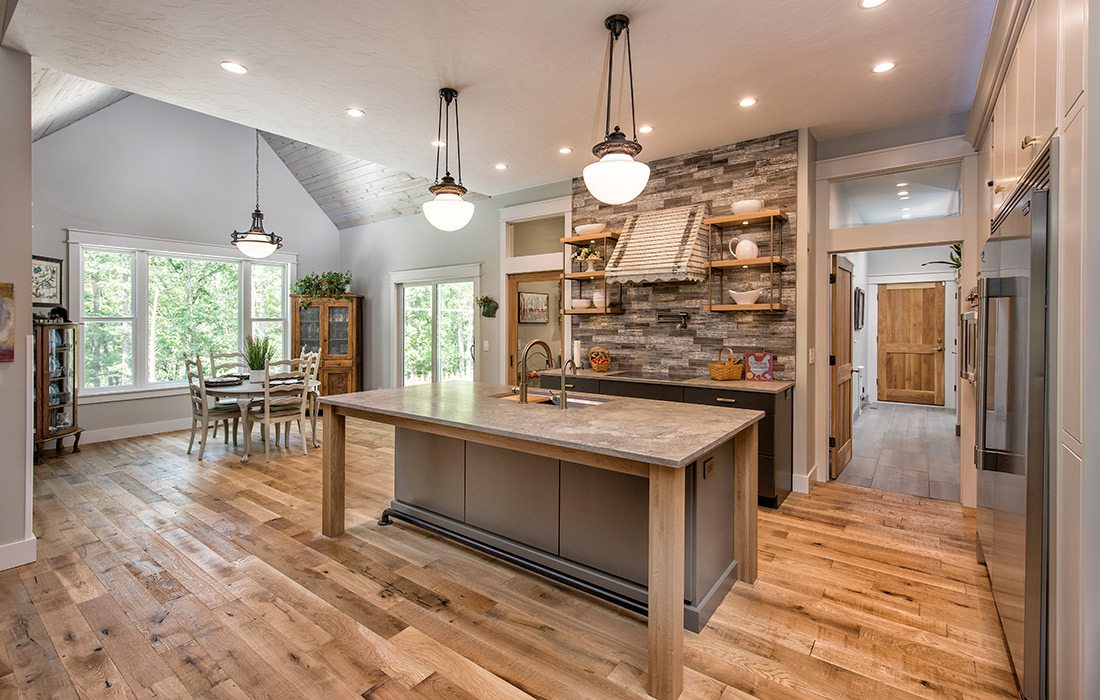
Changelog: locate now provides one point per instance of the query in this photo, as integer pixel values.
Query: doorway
(893, 365)
(525, 322)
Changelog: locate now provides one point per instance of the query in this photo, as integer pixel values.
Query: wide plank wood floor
(163, 577)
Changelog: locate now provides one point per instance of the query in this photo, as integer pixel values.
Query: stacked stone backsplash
(764, 168)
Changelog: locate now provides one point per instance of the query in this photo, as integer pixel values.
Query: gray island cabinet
(650, 505)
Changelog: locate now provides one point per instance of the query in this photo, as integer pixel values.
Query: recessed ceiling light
(884, 67)
(904, 198)
(905, 208)
(871, 4)
(501, 166)
(902, 193)
(905, 216)
(645, 129)
(355, 112)
(233, 67)
(565, 150)
(903, 184)
(747, 102)
(439, 144)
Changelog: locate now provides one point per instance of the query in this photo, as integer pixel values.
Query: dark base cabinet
(776, 431)
(589, 524)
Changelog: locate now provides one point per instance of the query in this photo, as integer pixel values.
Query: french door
(437, 326)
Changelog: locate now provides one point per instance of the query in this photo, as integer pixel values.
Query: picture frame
(7, 322)
(859, 308)
(534, 307)
(47, 281)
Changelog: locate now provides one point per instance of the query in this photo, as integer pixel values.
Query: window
(438, 329)
(143, 307)
(922, 193)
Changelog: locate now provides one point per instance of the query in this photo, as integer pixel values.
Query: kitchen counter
(774, 387)
(646, 504)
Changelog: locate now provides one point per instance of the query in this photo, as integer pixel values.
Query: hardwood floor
(162, 577)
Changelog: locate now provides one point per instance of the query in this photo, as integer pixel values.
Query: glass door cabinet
(55, 385)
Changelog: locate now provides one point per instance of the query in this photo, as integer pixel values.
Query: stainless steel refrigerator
(1011, 438)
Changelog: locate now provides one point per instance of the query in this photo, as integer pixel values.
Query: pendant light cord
(610, 64)
(447, 141)
(257, 169)
(458, 141)
(438, 139)
(630, 72)
(610, 80)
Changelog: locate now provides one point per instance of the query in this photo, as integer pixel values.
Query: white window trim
(430, 275)
(142, 246)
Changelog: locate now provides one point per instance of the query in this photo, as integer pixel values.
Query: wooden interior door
(910, 342)
(840, 365)
(514, 281)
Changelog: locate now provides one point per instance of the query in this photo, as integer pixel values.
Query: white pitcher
(744, 249)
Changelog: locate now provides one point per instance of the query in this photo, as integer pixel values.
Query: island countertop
(777, 386)
(643, 430)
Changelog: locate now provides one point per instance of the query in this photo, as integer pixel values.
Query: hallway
(905, 448)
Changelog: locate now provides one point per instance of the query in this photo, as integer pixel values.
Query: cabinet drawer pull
(721, 399)
(568, 386)
(1028, 142)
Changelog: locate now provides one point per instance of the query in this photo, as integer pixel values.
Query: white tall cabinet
(1045, 93)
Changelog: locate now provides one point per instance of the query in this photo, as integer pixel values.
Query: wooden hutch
(332, 326)
(55, 385)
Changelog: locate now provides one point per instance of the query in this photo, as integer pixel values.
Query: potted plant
(589, 256)
(257, 353)
(488, 306)
(323, 285)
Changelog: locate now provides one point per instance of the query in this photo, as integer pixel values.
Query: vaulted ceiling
(529, 73)
(59, 99)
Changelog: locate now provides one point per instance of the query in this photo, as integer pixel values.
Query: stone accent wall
(764, 168)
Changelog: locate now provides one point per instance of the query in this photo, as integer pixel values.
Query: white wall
(146, 168)
(409, 243)
(17, 545)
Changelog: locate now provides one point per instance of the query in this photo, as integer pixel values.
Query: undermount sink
(538, 398)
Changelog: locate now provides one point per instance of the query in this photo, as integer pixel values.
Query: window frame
(141, 248)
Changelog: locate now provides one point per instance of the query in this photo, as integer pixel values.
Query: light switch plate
(485, 346)
(812, 354)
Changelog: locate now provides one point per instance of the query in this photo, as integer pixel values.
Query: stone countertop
(775, 387)
(653, 432)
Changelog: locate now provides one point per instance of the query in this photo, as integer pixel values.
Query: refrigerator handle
(980, 371)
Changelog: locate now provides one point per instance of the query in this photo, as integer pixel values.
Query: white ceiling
(59, 99)
(529, 73)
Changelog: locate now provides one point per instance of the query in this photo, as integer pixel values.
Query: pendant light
(255, 242)
(616, 178)
(448, 211)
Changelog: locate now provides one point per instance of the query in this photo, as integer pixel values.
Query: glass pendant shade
(616, 178)
(448, 212)
(255, 242)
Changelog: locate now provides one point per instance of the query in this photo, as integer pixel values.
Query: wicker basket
(725, 370)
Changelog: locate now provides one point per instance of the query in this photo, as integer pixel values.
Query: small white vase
(590, 264)
(256, 376)
(745, 249)
(598, 299)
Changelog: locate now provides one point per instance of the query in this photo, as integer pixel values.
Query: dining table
(245, 393)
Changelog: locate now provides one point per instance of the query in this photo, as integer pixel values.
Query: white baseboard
(18, 553)
(128, 431)
(801, 482)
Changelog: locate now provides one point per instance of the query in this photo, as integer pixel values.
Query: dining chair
(286, 396)
(224, 364)
(202, 412)
(313, 389)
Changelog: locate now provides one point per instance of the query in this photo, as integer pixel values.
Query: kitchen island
(571, 493)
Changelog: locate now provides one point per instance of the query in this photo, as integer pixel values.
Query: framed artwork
(7, 322)
(46, 281)
(534, 307)
(759, 366)
(859, 308)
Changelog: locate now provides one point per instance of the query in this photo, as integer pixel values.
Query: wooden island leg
(744, 503)
(332, 474)
(666, 582)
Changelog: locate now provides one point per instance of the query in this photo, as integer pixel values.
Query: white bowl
(748, 206)
(582, 303)
(749, 297)
(590, 229)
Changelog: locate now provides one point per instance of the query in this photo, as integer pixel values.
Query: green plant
(955, 260)
(488, 306)
(258, 351)
(325, 284)
(586, 253)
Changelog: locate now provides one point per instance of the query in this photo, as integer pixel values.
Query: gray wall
(15, 220)
(409, 243)
(146, 168)
(764, 168)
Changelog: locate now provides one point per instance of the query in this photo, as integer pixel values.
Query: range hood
(668, 245)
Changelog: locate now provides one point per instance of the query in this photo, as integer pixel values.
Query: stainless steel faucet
(523, 367)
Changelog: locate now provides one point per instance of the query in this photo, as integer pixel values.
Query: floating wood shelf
(747, 307)
(591, 238)
(604, 310)
(749, 262)
(596, 274)
(745, 219)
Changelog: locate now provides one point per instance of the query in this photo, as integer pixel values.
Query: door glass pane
(924, 193)
(107, 284)
(62, 378)
(338, 330)
(267, 290)
(108, 354)
(416, 303)
(309, 329)
(456, 330)
(193, 309)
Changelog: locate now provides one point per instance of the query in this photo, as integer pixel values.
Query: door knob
(939, 344)
(1028, 142)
